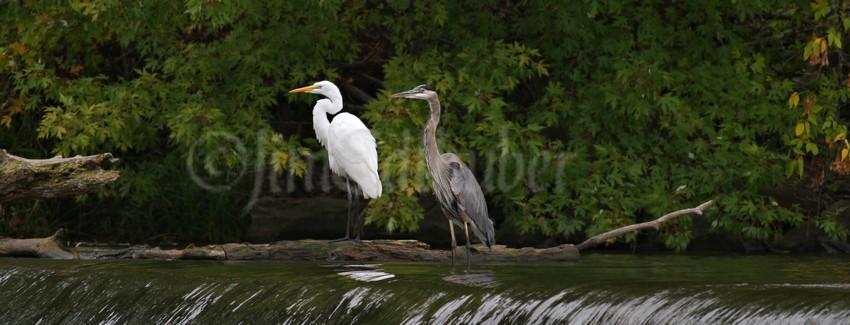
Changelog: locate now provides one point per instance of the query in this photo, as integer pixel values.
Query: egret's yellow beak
(303, 89)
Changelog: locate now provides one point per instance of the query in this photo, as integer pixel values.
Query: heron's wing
(353, 153)
(470, 198)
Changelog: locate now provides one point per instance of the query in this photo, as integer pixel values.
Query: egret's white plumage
(352, 153)
(352, 150)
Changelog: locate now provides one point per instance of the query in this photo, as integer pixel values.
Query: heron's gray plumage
(454, 185)
(469, 198)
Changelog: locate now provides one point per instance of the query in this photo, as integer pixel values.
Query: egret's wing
(470, 198)
(352, 149)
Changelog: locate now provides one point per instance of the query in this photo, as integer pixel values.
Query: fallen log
(22, 178)
(323, 250)
(331, 251)
(50, 247)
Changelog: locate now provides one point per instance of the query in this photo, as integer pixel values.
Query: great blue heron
(351, 147)
(454, 185)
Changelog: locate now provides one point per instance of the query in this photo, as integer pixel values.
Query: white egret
(352, 150)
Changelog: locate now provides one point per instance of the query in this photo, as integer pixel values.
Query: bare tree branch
(598, 239)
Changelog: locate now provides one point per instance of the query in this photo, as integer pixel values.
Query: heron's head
(419, 92)
(322, 88)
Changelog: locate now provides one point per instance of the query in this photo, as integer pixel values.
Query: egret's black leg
(358, 221)
(347, 224)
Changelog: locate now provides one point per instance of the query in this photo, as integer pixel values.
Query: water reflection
(364, 272)
(473, 278)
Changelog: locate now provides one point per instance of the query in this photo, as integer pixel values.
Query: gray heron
(455, 187)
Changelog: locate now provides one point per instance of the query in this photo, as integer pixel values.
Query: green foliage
(578, 117)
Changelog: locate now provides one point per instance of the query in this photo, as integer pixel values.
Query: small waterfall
(621, 289)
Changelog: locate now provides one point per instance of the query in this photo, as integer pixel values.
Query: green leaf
(812, 148)
(833, 38)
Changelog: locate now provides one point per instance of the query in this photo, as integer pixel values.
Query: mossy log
(22, 178)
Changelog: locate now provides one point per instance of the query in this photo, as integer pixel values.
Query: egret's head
(422, 91)
(322, 88)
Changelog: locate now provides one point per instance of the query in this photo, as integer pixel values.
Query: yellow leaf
(839, 137)
(794, 100)
(282, 156)
(844, 153)
(822, 43)
(800, 128)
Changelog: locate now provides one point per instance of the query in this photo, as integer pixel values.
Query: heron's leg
(452, 230)
(454, 243)
(466, 232)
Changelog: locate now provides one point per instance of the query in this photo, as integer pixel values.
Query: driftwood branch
(50, 247)
(22, 178)
(655, 224)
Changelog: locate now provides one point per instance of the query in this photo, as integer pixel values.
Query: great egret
(455, 186)
(352, 150)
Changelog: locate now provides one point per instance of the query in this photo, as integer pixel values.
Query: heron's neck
(432, 153)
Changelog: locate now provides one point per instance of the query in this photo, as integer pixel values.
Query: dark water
(625, 289)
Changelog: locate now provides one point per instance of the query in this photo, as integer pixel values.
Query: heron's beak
(303, 89)
(404, 94)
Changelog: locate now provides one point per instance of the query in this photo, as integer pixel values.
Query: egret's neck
(335, 98)
(321, 125)
(432, 153)
(331, 105)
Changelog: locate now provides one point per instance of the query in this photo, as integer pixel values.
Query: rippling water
(627, 289)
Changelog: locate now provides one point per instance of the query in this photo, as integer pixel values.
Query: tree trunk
(22, 178)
